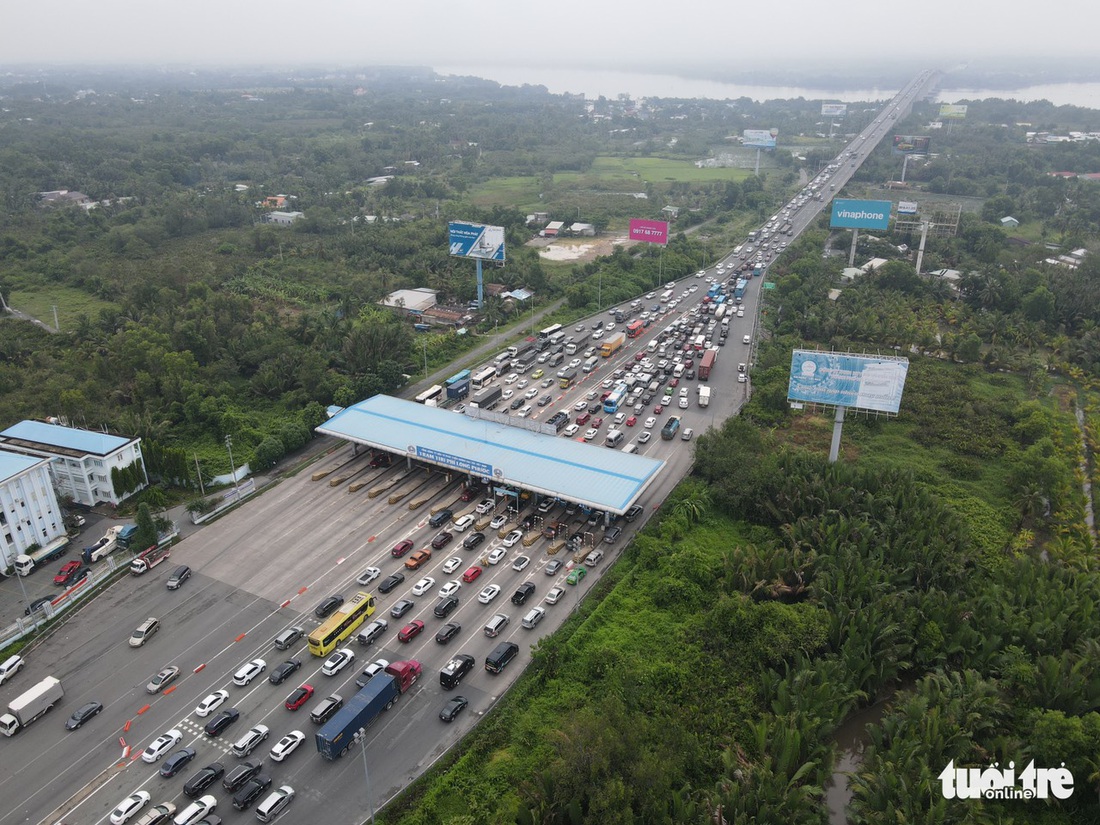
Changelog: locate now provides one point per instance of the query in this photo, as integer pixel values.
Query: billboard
(907, 207)
(648, 231)
(476, 240)
(761, 138)
(853, 214)
(834, 109)
(952, 111)
(863, 382)
(911, 144)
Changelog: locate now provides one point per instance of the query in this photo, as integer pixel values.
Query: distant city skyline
(696, 37)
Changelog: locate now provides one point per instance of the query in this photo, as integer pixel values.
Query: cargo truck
(577, 343)
(379, 694)
(27, 563)
(126, 535)
(150, 559)
(704, 396)
(104, 547)
(668, 432)
(706, 363)
(459, 389)
(487, 398)
(27, 707)
(613, 344)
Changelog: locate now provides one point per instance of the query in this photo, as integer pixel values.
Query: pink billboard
(649, 231)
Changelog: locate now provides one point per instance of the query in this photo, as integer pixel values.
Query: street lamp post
(232, 466)
(361, 735)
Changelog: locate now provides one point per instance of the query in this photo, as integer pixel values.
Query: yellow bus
(341, 624)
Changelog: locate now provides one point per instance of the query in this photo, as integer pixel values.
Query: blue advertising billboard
(476, 240)
(760, 138)
(853, 214)
(864, 382)
(459, 462)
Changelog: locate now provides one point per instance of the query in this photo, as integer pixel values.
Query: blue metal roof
(68, 438)
(12, 464)
(584, 473)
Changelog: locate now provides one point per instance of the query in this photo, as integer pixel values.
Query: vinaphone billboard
(760, 138)
(853, 214)
(476, 240)
(839, 379)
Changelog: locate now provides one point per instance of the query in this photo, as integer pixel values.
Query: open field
(38, 302)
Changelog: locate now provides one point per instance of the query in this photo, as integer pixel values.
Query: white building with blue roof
(83, 459)
(29, 512)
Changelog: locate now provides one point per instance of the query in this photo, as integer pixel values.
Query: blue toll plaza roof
(585, 473)
(44, 436)
(12, 464)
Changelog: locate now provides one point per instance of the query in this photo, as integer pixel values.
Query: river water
(851, 738)
(593, 83)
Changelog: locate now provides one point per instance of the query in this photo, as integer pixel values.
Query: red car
(299, 697)
(597, 423)
(471, 574)
(401, 548)
(471, 492)
(660, 408)
(675, 382)
(638, 356)
(411, 631)
(67, 572)
(630, 422)
(442, 540)
(583, 418)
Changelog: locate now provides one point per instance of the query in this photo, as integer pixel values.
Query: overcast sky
(637, 35)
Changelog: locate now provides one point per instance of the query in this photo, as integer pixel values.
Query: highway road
(265, 566)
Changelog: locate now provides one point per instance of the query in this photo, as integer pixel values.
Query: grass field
(39, 302)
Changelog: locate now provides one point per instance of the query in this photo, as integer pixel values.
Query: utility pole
(229, 446)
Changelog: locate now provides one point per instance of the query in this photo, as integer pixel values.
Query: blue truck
(379, 694)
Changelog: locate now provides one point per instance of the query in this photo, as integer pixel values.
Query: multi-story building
(29, 513)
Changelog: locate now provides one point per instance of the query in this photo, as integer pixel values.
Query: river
(851, 738)
(593, 83)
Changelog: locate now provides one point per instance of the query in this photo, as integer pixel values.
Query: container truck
(27, 707)
(27, 563)
(613, 344)
(706, 363)
(104, 547)
(487, 398)
(459, 389)
(704, 396)
(379, 694)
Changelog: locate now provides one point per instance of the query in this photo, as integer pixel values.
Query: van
(678, 371)
(653, 345)
(178, 577)
(495, 625)
(590, 364)
(250, 741)
(630, 448)
(614, 438)
(324, 709)
(440, 517)
(288, 637)
(143, 631)
(556, 359)
(501, 655)
(276, 802)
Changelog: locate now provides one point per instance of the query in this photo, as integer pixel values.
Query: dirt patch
(578, 250)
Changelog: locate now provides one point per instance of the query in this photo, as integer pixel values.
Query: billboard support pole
(480, 287)
(904, 166)
(838, 428)
(852, 253)
(757, 172)
(923, 238)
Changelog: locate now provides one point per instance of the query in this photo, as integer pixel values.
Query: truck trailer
(706, 363)
(27, 707)
(613, 344)
(379, 694)
(487, 398)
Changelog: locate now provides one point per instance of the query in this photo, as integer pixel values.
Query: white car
(504, 396)
(531, 393)
(287, 745)
(450, 588)
(683, 392)
(512, 538)
(211, 703)
(485, 506)
(741, 378)
(498, 554)
(452, 564)
(488, 593)
(196, 810)
(129, 806)
(683, 403)
(590, 434)
(246, 673)
(372, 670)
(571, 430)
(369, 575)
(581, 405)
(644, 436)
(524, 412)
(511, 378)
(523, 383)
(747, 339)
(339, 660)
(619, 418)
(649, 422)
(423, 586)
(161, 745)
(546, 382)
(498, 521)
(464, 523)
(521, 562)
(554, 595)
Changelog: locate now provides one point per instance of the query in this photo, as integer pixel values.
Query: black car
(690, 374)
(546, 399)
(473, 540)
(325, 608)
(633, 513)
(612, 534)
(455, 670)
(197, 784)
(440, 517)
(454, 706)
(222, 721)
(241, 774)
(448, 632)
(83, 714)
(523, 593)
(400, 608)
(177, 762)
(444, 607)
(38, 604)
(516, 403)
(250, 791)
(390, 582)
(283, 672)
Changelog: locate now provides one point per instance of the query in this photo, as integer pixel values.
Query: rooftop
(55, 438)
(12, 464)
(550, 465)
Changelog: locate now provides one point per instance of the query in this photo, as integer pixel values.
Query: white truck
(105, 546)
(29, 706)
(27, 563)
(704, 396)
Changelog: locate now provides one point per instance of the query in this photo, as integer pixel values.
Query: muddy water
(851, 738)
